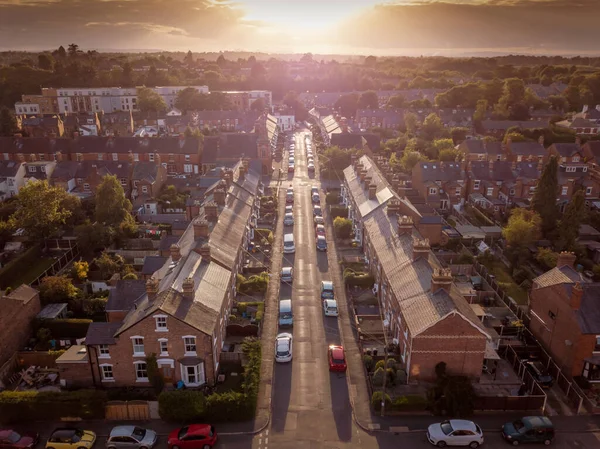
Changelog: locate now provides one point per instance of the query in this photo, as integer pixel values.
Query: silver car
(130, 437)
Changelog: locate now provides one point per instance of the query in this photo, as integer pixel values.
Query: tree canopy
(523, 228)
(568, 228)
(112, 206)
(544, 198)
(150, 101)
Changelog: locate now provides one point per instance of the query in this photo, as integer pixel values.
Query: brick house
(528, 175)
(19, 308)
(480, 150)
(591, 152)
(442, 184)
(38, 171)
(116, 124)
(429, 319)
(31, 149)
(147, 179)
(526, 151)
(572, 178)
(83, 178)
(12, 178)
(380, 118)
(224, 121)
(565, 318)
(360, 141)
(568, 153)
(491, 184)
(43, 126)
(498, 128)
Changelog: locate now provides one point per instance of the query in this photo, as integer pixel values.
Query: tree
(480, 112)
(45, 61)
(257, 70)
(347, 104)
(459, 135)
(342, 227)
(410, 121)
(8, 123)
(410, 159)
(55, 289)
(370, 61)
(432, 126)
(544, 198)
(109, 265)
(73, 50)
(291, 100)
(368, 100)
(169, 197)
(450, 155)
(80, 270)
(258, 105)
(189, 58)
(221, 61)
(396, 102)
(568, 227)
(523, 228)
(336, 158)
(112, 206)
(437, 146)
(558, 103)
(150, 101)
(396, 145)
(61, 52)
(41, 210)
(93, 236)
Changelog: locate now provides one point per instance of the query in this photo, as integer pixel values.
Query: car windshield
(285, 315)
(14, 437)
(182, 433)
(518, 424)
(338, 361)
(282, 353)
(77, 436)
(139, 433)
(446, 427)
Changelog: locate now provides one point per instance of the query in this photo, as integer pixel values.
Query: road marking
(266, 441)
(267, 432)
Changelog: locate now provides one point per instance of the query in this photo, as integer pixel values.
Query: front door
(167, 373)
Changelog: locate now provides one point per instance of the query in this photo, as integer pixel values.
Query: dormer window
(476, 184)
(32, 169)
(161, 323)
(575, 159)
(432, 190)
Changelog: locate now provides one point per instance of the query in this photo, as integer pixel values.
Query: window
(43, 169)
(519, 158)
(187, 157)
(511, 192)
(588, 191)
(476, 184)
(432, 190)
(193, 375)
(123, 181)
(11, 182)
(187, 168)
(141, 372)
(41, 156)
(458, 189)
(115, 157)
(584, 168)
(86, 187)
(136, 157)
(138, 346)
(563, 159)
(490, 191)
(163, 343)
(575, 159)
(597, 347)
(32, 169)
(104, 352)
(189, 343)
(145, 189)
(499, 157)
(107, 372)
(161, 323)
(100, 156)
(571, 169)
(565, 190)
(151, 157)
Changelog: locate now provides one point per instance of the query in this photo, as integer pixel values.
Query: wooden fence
(38, 358)
(59, 265)
(127, 410)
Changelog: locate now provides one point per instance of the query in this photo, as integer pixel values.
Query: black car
(540, 373)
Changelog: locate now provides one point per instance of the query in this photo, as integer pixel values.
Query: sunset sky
(326, 26)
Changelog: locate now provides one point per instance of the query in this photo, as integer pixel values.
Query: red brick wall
(452, 340)
(76, 374)
(115, 317)
(15, 323)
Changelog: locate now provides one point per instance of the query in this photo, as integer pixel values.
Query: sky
(408, 27)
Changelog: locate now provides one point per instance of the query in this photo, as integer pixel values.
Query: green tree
(544, 198)
(395, 145)
(410, 159)
(347, 104)
(8, 123)
(368, 100)
(41, 210)
(410, 121)
(109, 264)
(523, 228)
(439, 145)
(61, 52)
(45, 61)
(80, 270)
(459, 135)
(432, 126)
(93, 236)
(337, 158)
(169, 197)
(150, 101)
(54, 289)
(73, 50)
(342, 227)
(258, 105)
(154, 375)
(112, 206)
(450, 155)
(189, 58)
(480, 111)
(568, 227)
(396, 102)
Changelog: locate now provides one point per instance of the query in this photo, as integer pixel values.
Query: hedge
(376, 401)
(64, 328)
(14, 268)
(411, 402)
(260, 308)
(27, 406)
(181, 406)
(358, 279)
(338, 211)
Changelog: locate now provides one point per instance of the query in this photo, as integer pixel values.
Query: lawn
(506, 282)
(31, 272)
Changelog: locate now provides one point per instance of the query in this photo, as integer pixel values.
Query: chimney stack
(227, 179)
(130, 155)
(566, 258)
(361, 174)
(441, 279)
(576, 295)
(58, 156)
(368, 180)
(175, 252)
(578, 140)
(372, 191)
(200, 229)
(211, 211)
(219, 196)
(242, 172)
(421, 248)
(205, 252)
(157, 158)
(405, 225)
(541, 140)
(152, 287)
(188, 287)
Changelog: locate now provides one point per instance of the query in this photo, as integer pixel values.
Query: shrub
(376, 401)
(368, 361)
(377, 378)
(64, 328)
(339, 211)
(391, 376)
(26, 406)
(380, 364)
(363, 280)
(262, 233)
(94, 306)
(181, 406)
(409, 403)
(465, 259)
(332, 198)
(229, 406)
(255, 283)
(242, 307)
(547, 258)
(401, 376)
(342, 227)
(154, 375)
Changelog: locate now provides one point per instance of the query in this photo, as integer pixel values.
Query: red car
(337, 359)
(194, 436)
(9, 439)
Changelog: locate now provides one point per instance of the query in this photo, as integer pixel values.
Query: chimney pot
(200, 229)
(242, 172)
(441, 279)
(175, 252)
(205, 252)
(219, 196)
(566, 258)
(405, 225)
(576, 295)
(421, 248)
(188, 286)
(152, 287)
(372, 191)
(211, 210)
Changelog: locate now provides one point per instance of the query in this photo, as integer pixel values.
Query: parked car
(320, 230)
(316, 198)
(539, 373)
(337, 359)
(122, 437)
(314, 190)
(287, 274)
(194, 436)
(71, 438)
(283, 347)
(311, 167)
(319, 220)
(330, 307)
(289, 197)
(321, 243)
(9, 439)
(289, 209)
(327, 290)
(455, 432)
(288, 219)
(290, 168)
(317, 211)
(529, 429)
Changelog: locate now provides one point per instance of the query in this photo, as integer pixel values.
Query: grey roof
(166, 242)
(28, 145)
(66, 170)
(180, 225)
(431, 219)
(9, 169)
(410, 280)
(500, 171)
(233, 146)
(52, 310)
(101, 333)
(594, 147)
(210, 149)
(161, 145)
(153, 264)
(503, 125)
(566, 149)
(528, 170)
(527, 148)
(588, 315)
(145, 171)
(160, 218)
(102, 168)
(441, 171)
(588, 230)
(125, 294)
(355, 140)
(477, 146)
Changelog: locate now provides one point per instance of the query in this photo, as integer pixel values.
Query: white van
(330, 307)
(288, 244)
(286, 318)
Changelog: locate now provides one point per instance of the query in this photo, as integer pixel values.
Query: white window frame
(161, 319)
(564, 190)
(432, 190)
(86, 187)
(103, 352)
(188, 158)
(476, 184)
(200, 374)
(100, 156)
(140, 379)
(151, 157)
(186, 344)
(589, 191)
(519, 158)
(105, 378)
(144, 189)
(571, 169)
(134, 344)
(188, 168)
(511, 192)
(115, 157)
(136, 157)
(163, 343)
(458, 190)
(32, 169)
(489, 191)
(575, 159)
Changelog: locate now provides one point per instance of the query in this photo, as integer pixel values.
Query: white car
(288, 220)
(283, 348)
(289, 209)
(330, 307)
(455, 432)
(287, 274)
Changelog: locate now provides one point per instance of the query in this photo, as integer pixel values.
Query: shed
(586, 232)
(53, 311)
(74, 368)
(470, 232)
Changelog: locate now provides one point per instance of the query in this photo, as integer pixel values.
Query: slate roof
(145, 171)
(527, 148)
(9, 169)
(438, 171)
(477, 146)
(528, 170)
(566, 149)
(37, 145)
(162, 145)
(153, 264)
(588, 315)
(355, 140)
(501, 171)
(210, 150)
(580, 122)
(125, 294)
(410, 281)
(102, 168)
(594, 147)
(101, 333)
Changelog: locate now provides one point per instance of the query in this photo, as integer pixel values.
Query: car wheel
(441, 444)
(175, 447)
(206, 446)
(547, 442)
(474, 445)
(515, 443)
